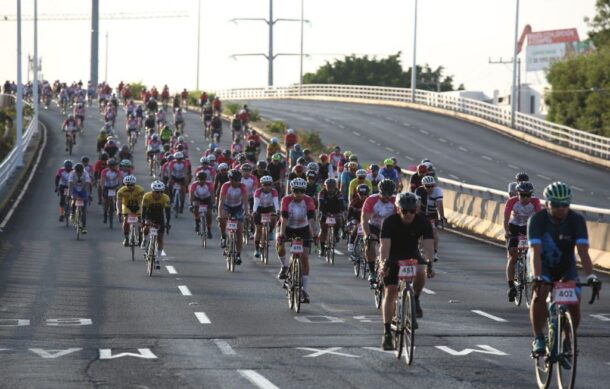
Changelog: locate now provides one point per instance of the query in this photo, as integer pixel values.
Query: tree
(600, 24)
(353, 70)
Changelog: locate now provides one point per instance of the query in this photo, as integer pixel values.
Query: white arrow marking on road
(144, 353)
(332, 350)
(203, 318)
(489, 316)
(428, 291)
(224, 347)
(163, 253)
(171, 270)
(184, 290)
(379, 349)
(52, 354)
(69, 322)
(602, 317)
(327, 319)
(257, 379)
(485, 350)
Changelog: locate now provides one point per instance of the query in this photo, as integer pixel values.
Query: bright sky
(460, 35)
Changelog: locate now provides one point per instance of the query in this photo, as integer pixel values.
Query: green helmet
(347, 153)
(558, 191)
(125, 164)
(276, 157)
(388, 162)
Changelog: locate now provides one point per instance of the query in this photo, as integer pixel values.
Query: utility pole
(95, 25)
(198, 37)
(501, 61)
(301, 53)
(106, 60)
(414, 69)
(515, 53)
(35, 84)
(19, 107)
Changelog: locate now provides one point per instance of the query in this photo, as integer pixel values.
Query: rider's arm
(582, 244)
(257, 202)
(508, 208)
(244, 199)
(276, 204)
(535, 231)
(119, 202)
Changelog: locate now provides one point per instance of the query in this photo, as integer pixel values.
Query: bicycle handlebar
(596, 286)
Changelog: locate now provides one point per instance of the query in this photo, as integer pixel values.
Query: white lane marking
(202, 317)
(462, 148)
(341, 126)
(144, 353)
(27, 183)
(514, 167)
(406, 124)
(163, 254)
(489, 316)
(372, 141)
(428, 291)
(329, 309)
(257, 379)
(378, 349)
(442, 140)
(171, 270)
(356, 133)
(391, 150)
(409, 158)
(454, 176)
(602, 317)
(485, 350)
(423, 131)
(543, 177)
(224, 347)
(337, 252)
(198, 148)
(578, 188)
(390, 119)
(192, 141)
(52, 354)
(184, 290)
(187, 135)
(320, 351)
(486, 157)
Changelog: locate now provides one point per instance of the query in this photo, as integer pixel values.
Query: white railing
(9, 164)
(591, 144)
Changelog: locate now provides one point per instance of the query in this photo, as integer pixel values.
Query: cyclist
(70, 128)
(290, 139)
(131, 125)
(346, 178)
(553, 233)
(374, 176)
(129, 200)
(400, 234)
(415, 180)
(266, 200)
(207, 168)
(110, 179)
(256, 138)
(374, 210)
(517, 212)
(79, 186)
(294, 154)
(126, 167)
(154, 146)
(88, 168)
(354, 213)
(179, 120)
(431, 196)
(325, 168)
(331, 203)
(62, 177)
(273, 148)
(221, 177)
(519, 178)
(251, 183)
(297, 221)
(236, 127)
(125, 153)
(150, 123)
(201, 192)
(277, 170)
(237, 147)
(261, 169)
(336, 158)
(100, 165)
(233, 203)
(166, 134)
(313, 188)
(179, 171)
(156, 212)
(251, 150)
(217, 106)
(388, 171)
(359, 180)
(111, 148)
(216, 124)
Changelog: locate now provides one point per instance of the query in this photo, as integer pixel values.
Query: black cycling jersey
(405, 237)
(275, 170)
(259, 174)
(330, 204)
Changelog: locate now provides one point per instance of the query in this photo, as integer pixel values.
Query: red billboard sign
(552, 37)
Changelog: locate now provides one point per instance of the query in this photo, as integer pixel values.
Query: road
(81, 314)
(460, 150)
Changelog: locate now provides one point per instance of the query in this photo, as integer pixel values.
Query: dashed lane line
(202, 317)
(391, 150)
(454, 176)
(578, 188)
(486, 157)
(224, 347)
(462, 148)
(489, 316)
(442, 140)
(257, 379)
(184, 290)
(341, 126)
(428, 291)
(372, 141)
(423, 131)
(171, 270)
(543, 177)
(409, 158)
(406, 124)
(514, 167)
(337, 252)
(356, 133)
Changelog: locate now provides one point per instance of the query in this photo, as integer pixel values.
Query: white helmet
(290, 131)
(223, 166)
(298, 183)
(312, 166)
(203, 159)
(211, 158)
(157, 186)
(360, 173)
(179, 155)
(266, 180)
(129, 180)
(428, 180)
(274, 140)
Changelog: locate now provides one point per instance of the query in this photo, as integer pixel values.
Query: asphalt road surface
(460, 150)
(81, 314)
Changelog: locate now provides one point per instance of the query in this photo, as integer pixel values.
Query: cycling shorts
(261, 210)
(513, 235)
(302, 233)
(79, 194)
(392, 268)
(236, 212)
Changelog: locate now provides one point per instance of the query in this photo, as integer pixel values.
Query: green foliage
(136, 89)
(194, 97)
(600, 24)
(311, 140)
(277, 127)
(353, 70)
(7, 131)
(231, 108)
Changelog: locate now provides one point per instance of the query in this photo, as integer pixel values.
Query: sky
(460, 35)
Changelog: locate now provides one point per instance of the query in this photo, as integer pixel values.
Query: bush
(231, 109)
(277, 127)
(136, 89)
(311, 140)
(255, 115)
(194, 97)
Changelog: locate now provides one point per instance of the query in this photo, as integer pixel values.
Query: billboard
(545, 47)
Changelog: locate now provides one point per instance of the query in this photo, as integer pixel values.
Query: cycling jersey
(131, 199)
(405, 237)
(390, 174)
(153, 209)
(112, 178)
(79, 182)
(201, 191)
(209, 173)
(166, 134)
(276, 170)
(178, 170)
(297, 213)
(330, 204)
(375, 180)
(325, 170)
(62, 176)
(233, 195)
(294, 155)
(264, 199)
(354, 184)
(251, 184)
(377, 209)
(519, 213)
(415, 181)
(428, 200)
(154, 147)
(290, 140)
(273, 148)
(346, 178)
(236, 148)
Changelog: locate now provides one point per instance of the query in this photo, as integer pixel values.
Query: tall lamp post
(19, 91)
(198, 37)
(35, 84)
(514, 95)
(414, 68)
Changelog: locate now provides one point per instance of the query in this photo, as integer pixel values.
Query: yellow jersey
(131, 200)
(353, 184)
(155, 207)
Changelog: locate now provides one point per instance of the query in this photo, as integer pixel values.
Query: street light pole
(414, 68)
(514, 97)
(301, 66)
(35, 85)
(198, 38)
(270, 55)
(19, 91)
(95, 26)
(106, 60)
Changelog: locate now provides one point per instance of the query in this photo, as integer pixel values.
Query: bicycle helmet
(212, 146)
(203, 160)
(347, 153)
(374, 168)
(84, 159)
(388, 162)
(201, 176)
(157, 186)
(266, 180)
(406, 200)
(312, 166)
(337, 148)
(297, 147)
(234, 175)
(353, 158)
(112, 162)
(179, 155)
(180, 147)
(211, 158)
(181, 139)
(330, 183)
(223, 166)
(301, 161)
(155, 137)
(125, 164)
(361, 173)
(226, 153)
(298, 183)
(276, 157)
(558, 191)
(129, 180)
(422, 169)
(352, 166)
(425, 160)
(79, 167)
(363, 189)
(525, 187)
(323, 158)
(428, 181)
(68, 164)
(290, 131)
(298, 169)
(246, 167)
(522, 176)
(312, 174)
(386, 187)
(104, 156)
(242, 158)
(274, 140)
(261, 165)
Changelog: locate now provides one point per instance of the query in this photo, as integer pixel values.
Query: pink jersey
(63, 175)
(519, 213)
(178, 169)
(295, 213)
(112, 178)
(251, 183)
(200, 191)
(378, 209)
(209, 171)
(233, 195)
(237, 148)
(266, 199)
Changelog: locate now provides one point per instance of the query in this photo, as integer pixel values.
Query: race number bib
(522, 243)
(330, 221)
(407, 269)
(111, 192)
(152, 231)
(65, 191)
(203, 209)
(265, 218)
(79, 203)
(565, 293)
(231, 226)
(296, 247)
(360, 230)
(132, 219)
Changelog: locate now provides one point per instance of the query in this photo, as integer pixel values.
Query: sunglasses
(298, 191)
(525, 195)
(408, 211)
(429, 186)
(267, 184)
(559, 204)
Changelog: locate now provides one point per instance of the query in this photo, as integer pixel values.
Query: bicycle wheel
(203, 232)
(265, 245)
(232, 253)
(70, 145)
(542, 364)
(77, 222)
(364, 267)
(399, 329)
(245, 235)
(518, 281)
(297, 284)
(176, 202)
(67, 212)
(330, 251)
(132, 242)
(409, 329)
(566, 352)
(110, 212)
(527, 291)
(356, 266)
(151, 254)
(288, 285)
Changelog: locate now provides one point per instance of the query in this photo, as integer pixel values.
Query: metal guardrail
(9, 164)
(595, 145)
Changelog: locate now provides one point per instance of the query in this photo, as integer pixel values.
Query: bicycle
(330, 239)
(133, 221)
(560, 336)
(360, 264)
(203, 226)
(153, 163)
(405, 325)
(245, 236)
(67, 207)
(230, 252)
(523, 287)
(133, 139)
(79, 204)
(176, 197)
(69, 143)
(265, 220)
(294, 281)
(110, 196)
(151, 249)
